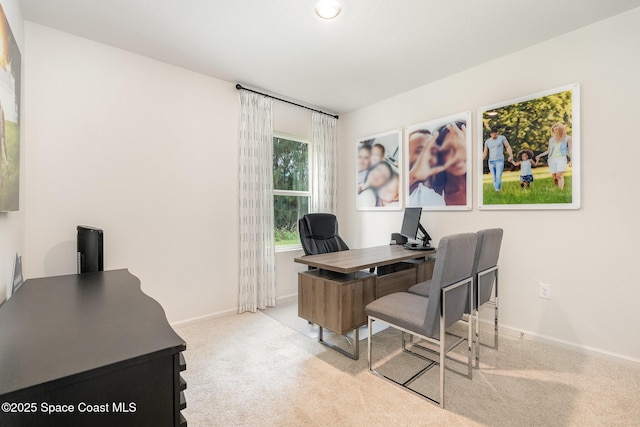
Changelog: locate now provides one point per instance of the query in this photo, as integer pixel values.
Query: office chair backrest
(319, 234)
(453, 263)
(487, 254)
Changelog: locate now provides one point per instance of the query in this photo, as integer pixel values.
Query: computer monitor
(411, 225)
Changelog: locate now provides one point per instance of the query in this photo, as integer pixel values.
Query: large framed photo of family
(378, 172)
(529, 155)
(438, 170)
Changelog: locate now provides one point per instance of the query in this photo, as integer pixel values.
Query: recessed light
(328, 9)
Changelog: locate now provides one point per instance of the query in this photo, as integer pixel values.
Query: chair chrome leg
(442, 350)
(404, 385)
(495, 321)
(356, 338)
(495, 325)
(470, 340)
(369, 327)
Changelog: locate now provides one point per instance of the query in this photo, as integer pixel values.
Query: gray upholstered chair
(421, 288)
(485, 271)
(428, 317)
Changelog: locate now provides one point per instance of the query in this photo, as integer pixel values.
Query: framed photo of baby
(438, 163)
(378, 172)
(529, 151)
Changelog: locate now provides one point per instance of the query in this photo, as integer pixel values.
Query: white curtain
(257, 257)
(323, 163)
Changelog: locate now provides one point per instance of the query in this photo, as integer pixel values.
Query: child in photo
(377, 154)
(388, 194)
(526, 162)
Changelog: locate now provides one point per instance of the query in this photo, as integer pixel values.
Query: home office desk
(335, 294)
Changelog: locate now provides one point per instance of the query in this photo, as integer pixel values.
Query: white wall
(142, 149)
(12, 223)
(148, 152)
(589, 256)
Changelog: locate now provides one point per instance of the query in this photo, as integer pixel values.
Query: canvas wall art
(529, 156)
(438, 167)
(10, 66)
(378, 171)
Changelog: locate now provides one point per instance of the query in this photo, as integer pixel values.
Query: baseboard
(287, 298)
(569, 345)
(280, 300)
(200, 319)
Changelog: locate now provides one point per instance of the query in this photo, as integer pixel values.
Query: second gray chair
(485, 271)
(428, 317)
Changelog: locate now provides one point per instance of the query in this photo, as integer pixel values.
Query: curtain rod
(240, 87)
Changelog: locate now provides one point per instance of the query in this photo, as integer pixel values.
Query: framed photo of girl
(378, 172)
(529, 151)
(438, 166)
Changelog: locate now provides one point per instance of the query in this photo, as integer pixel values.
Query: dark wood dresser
(89, 349)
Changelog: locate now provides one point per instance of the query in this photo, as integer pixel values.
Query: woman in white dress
(557, 151)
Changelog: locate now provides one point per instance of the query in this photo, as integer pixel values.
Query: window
(290, 188)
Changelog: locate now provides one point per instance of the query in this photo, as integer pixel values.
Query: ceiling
(373, 50)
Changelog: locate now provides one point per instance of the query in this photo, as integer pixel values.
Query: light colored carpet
(251, 370)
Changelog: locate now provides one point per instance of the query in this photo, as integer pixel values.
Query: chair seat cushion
(421, 288)
(401, 309)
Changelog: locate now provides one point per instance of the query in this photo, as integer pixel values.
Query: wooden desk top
(69, 327)
(359, 259)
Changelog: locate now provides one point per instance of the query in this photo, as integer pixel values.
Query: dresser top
(58, 330)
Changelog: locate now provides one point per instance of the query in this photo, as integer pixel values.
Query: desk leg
(356, 353)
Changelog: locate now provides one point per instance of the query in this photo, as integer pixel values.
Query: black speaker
(90, 250)
(398, 239)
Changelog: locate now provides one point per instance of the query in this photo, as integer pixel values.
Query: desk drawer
(425, 270)
(335, 301)
(399, 281)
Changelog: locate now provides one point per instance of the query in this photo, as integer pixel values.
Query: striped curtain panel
(323, 161)
(257, 253)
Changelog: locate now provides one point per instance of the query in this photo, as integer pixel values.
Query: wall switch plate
(545, 291)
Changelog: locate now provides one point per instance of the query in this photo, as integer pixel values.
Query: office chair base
(356, 343)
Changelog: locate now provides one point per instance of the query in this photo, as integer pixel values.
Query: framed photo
(10, 64)
(438, 169)
(379, 172)
(529, 151)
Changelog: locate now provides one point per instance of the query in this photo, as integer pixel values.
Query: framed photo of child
(529, 151)
(378, 172)
(438, 168)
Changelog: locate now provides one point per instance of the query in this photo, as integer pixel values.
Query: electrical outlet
(545, 291)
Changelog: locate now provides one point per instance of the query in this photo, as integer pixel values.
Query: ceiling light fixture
(328, 9)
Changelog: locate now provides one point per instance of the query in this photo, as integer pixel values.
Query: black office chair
(319, 234)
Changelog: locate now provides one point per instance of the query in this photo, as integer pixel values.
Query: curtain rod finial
(238, 86)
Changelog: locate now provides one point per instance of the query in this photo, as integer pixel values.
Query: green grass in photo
(542, 190)
(9, 187)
